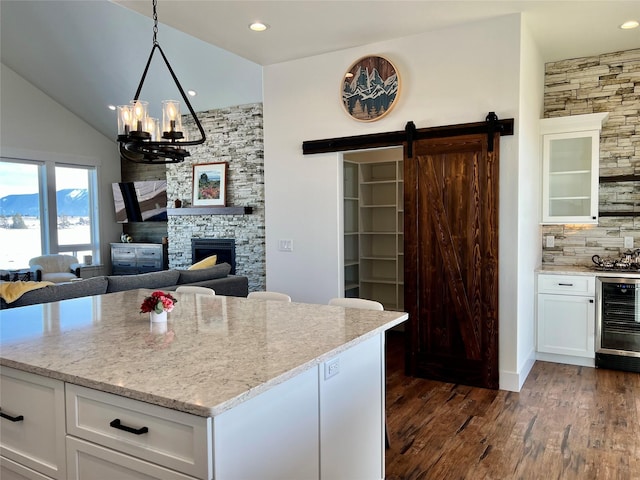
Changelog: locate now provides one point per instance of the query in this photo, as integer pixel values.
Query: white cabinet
(352, 414)
(272, 436)
(322, 423)
(570, 162)
(32, 425)
(566, 319)
(314, 425)
(374, 230)
(165, 437)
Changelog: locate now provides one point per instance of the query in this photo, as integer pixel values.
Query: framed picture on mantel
(209, 184)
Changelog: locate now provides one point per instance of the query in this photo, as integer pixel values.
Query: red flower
(158, 302)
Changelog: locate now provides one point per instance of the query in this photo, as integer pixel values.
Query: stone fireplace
(234, 135)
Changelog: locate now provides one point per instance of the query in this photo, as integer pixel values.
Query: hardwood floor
(567, 422)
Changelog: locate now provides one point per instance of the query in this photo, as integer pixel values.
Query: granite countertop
(216, 352)
(582, 270)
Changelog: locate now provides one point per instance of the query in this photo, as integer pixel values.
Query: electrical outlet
(550, 241)
(628, 242)
(285, 245)
(331, 368)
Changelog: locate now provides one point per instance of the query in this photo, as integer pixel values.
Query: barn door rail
(490, 126)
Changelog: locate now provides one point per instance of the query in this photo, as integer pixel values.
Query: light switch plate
(628, 242)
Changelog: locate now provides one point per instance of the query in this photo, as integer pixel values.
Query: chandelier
(139, 134)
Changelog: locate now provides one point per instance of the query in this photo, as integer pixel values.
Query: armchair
(55, 268)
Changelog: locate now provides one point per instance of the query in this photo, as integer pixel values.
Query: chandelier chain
(155, 22)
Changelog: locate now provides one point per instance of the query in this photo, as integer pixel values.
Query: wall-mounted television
(143, 201)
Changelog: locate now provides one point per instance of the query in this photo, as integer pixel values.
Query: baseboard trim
(513, 381)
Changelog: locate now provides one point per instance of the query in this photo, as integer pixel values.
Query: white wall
(34, 126)
(451, 76)
(528, 255)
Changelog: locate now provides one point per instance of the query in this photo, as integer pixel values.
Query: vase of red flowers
(157, 305)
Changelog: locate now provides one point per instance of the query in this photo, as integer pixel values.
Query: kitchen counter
(582, 270)
(216, 352)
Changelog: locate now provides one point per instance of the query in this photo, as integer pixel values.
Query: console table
(134, 258)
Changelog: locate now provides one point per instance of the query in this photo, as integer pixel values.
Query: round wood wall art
(370, 88)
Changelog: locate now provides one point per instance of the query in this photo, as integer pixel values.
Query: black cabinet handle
(19, 418)
(136, 431)
(566, 284)
(591, 300)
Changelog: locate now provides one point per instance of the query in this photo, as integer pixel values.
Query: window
(46, 207)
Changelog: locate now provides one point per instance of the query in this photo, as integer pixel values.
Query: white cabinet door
(352, 413)
(570, 161)
(87, 461)
(566, 325)
(273, 436)
(32, 426)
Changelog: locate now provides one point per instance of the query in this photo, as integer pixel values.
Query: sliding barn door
(451, 259)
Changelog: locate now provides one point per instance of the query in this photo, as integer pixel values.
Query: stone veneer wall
(604, 83)
(234, 135)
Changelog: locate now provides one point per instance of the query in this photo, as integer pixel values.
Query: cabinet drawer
(14, 471)
(87, 461)
(567, 284)
(172, 439)
(35, 440)
(149, 253)
(150, 265)
(117, 270)
(123, 253)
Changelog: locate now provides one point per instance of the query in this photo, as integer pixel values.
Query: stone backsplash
(604, 83)
(234, 135)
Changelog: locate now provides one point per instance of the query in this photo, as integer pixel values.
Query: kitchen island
(228, 388)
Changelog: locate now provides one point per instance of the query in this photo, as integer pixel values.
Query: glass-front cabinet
(570, 160)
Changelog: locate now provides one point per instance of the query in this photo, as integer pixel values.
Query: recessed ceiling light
(258, 26)
(192, 93)
(629, 25)
(112, 107)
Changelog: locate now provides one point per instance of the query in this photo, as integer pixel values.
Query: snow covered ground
(17, 246)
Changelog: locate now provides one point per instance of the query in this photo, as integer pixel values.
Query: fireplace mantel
(210, 211)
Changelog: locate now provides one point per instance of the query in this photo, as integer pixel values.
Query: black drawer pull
(19, 418)
(566, 284)
(136, 431)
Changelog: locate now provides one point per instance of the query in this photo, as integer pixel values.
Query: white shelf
(380, 225)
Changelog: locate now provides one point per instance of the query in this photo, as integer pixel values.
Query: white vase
(158, 317)
(158, 328)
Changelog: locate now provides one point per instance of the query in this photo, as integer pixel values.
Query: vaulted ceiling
(89, 54)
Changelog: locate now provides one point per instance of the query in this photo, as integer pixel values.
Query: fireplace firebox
(224, 248)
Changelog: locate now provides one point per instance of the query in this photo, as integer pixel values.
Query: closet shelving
(374, 223)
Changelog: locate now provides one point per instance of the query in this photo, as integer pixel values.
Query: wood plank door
(451, 259)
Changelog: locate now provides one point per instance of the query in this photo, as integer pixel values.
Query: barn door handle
(136, 431)
(18, 418)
